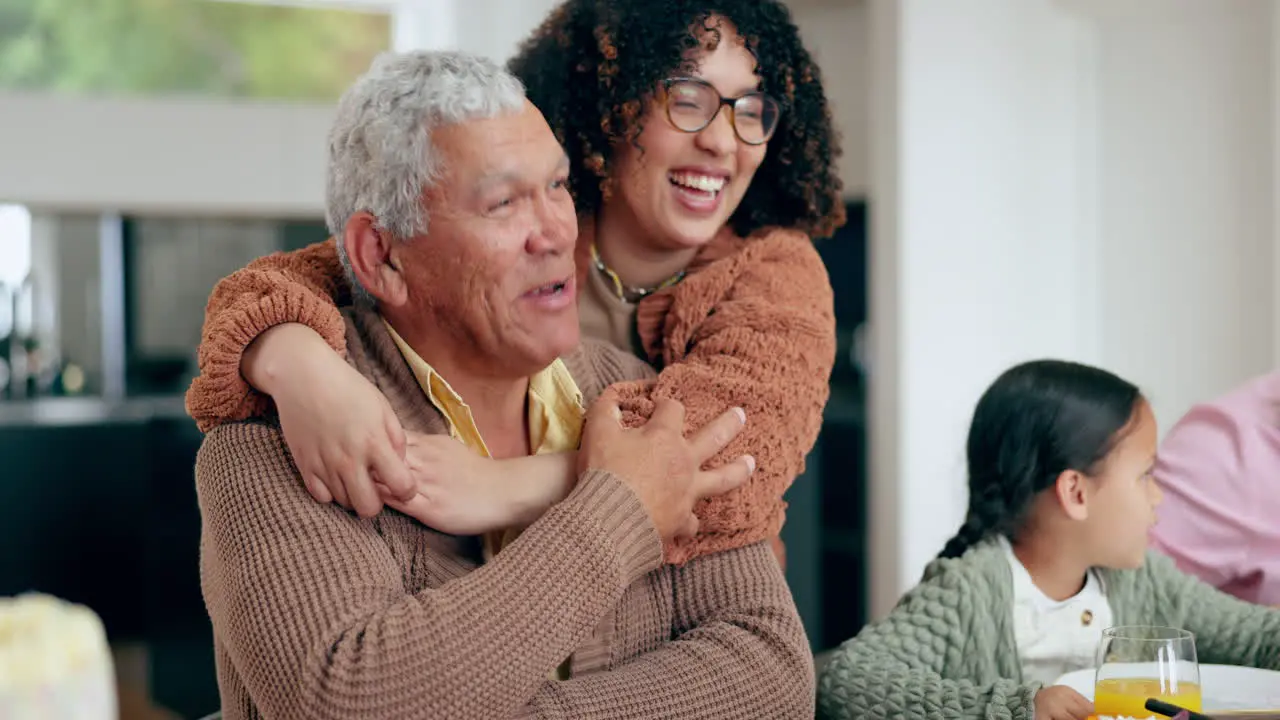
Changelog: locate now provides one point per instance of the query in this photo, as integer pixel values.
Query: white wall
(1186, 197)
(1082, 179)
(977, 207)
(493, 28)
(837, 34)
(496, 27)
(193, 156)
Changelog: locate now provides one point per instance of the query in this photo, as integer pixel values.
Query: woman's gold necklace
(627, 293)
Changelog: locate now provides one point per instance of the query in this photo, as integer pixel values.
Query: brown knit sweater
(752, 325)
(319, 614)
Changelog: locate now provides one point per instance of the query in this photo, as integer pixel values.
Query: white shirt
(1055, 637)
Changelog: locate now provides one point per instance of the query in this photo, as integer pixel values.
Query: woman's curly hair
(594, 65)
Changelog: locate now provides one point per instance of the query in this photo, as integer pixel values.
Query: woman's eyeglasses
(693, 103)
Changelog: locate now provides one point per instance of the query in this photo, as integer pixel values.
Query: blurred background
(1086, 179)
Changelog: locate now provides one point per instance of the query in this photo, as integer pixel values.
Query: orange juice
(1127, 697)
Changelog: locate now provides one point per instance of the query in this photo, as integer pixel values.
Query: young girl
(1053, 551)
(702, 163)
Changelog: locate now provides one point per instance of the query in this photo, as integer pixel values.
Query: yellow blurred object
(54, 661)
(73, 379)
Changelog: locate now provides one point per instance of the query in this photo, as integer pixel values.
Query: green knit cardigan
(947, 650)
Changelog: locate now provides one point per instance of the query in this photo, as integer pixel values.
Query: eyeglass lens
(692, 106)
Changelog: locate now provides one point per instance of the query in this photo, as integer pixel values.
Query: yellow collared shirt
(556, 413)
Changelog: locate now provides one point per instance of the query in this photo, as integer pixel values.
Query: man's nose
(555, 227)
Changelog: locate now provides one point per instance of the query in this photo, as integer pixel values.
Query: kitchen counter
(79, 411)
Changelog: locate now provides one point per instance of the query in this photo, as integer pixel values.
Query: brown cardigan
(752, 325)
(319, 614)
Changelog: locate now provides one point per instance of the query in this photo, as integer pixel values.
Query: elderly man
(318, 613)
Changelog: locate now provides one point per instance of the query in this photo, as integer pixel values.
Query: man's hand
(659, 463)
(1060, 702)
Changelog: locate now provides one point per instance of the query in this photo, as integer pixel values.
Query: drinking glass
(1137, 663)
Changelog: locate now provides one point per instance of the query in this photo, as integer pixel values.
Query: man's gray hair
(380, 154)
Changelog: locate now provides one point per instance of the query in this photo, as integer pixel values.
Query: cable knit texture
(319, 614)
(947, 651)
(752, 325)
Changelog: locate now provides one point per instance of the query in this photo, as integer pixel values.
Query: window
(15, 263)
(188, 47)
(15, 244)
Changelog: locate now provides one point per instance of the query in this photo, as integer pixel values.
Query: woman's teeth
(704, 183)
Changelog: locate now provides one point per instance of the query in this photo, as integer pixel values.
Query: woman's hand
(347, 443)
(462, 493)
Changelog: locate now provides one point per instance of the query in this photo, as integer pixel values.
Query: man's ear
(371, 250)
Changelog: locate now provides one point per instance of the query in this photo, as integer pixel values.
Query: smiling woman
(679, 181)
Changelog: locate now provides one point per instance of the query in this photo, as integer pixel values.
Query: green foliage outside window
(186, 47)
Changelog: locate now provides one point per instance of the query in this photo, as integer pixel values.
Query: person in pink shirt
(1219, 467)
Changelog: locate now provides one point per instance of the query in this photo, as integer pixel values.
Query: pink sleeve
(1201, 523)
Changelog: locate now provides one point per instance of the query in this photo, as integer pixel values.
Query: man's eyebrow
(501, 177)
(563, 163)
(511, 177)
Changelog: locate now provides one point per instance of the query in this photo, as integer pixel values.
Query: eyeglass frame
(730, 102)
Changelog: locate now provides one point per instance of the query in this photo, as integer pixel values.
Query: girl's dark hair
(1036, 421)
(594, 65)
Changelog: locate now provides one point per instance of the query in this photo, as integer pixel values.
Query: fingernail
(751, 463)
(742, 416)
